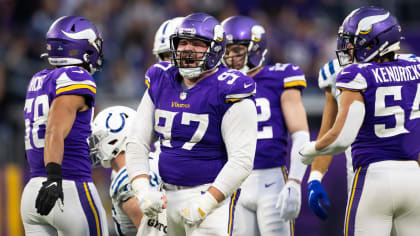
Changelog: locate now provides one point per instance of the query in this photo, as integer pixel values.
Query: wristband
(53, 171)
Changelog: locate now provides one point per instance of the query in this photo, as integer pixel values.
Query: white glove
(308, 153)
(289, 201)
(150, 200)
(195, 212)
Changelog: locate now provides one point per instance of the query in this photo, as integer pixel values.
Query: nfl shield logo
(183, 95)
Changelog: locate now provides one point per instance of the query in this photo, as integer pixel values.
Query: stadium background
(299, 31)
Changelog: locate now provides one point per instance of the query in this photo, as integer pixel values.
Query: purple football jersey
(271, 82)
(391, 93)
(188, 121)
(43, 88)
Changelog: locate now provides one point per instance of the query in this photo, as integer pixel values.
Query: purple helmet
(245, 30)
(74, 40)
(203, 27)
(372, 31)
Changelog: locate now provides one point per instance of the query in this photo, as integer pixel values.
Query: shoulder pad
(236, 85)
(293, 77)
(351, 77)
(407, 57)
(74, 80)
(328, 74)
(120, 188)
(155, 70)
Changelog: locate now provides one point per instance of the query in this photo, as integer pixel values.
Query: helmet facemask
(236, 56)
(191, 64)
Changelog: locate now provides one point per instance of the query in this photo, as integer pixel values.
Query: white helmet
(109, 134)
(162, 43)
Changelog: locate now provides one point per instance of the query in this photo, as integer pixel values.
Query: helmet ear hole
(112, 142)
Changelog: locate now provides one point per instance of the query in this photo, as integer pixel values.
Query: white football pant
(82, 213)
(219, 222)
(385, 200)
(257, 212)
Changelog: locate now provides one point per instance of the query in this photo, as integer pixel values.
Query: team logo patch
(183, 95)
(218, 33)
(256, 33)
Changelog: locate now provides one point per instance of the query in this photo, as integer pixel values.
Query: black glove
(51, 189)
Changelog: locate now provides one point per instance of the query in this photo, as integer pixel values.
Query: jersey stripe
(64, 81)
(295, 83)
(324, 76)
(240, 95)
(232, 207)
(74, 87)
(294, 78)
(95, 213)
(331, 67)
(356, 193)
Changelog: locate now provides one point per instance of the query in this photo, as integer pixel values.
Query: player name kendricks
(180, 105)
(396, 73)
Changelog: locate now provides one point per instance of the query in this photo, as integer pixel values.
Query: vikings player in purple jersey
(379, 117)
(280, 111)
(205, 118)
(58, 111)
(317, 196)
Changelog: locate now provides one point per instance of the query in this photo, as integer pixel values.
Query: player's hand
(195, 212)
(151, 202)
(289, 201)
(308, 153)
(316, 193)
(50, 191)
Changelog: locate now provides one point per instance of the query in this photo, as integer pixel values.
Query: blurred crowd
(299, 31)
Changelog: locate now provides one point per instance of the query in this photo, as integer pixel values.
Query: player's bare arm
(294, 114)
(329, 114)
(60, 121)
(132, 208)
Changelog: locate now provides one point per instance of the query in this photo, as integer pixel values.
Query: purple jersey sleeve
(75, 81)
(293, 77)
(352, 78)
(237, 87)
(154, 76)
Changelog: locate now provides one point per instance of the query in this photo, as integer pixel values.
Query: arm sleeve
(140, 138)
(348, 133)
(297, 168)
(239, 132)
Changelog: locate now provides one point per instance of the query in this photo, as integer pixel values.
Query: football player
(280, 112)
(161, 45)
(317, 196)
(378, 116)
(206, 121)
(107, 146)
(58, 112)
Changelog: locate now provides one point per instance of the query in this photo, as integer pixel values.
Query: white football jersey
(120, 191)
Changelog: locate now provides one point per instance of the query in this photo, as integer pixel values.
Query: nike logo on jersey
(344, 72)
(78, 71)
(247, 85)
(268, 185)
(295, 67)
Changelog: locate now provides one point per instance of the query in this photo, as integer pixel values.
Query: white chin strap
(190, 73)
